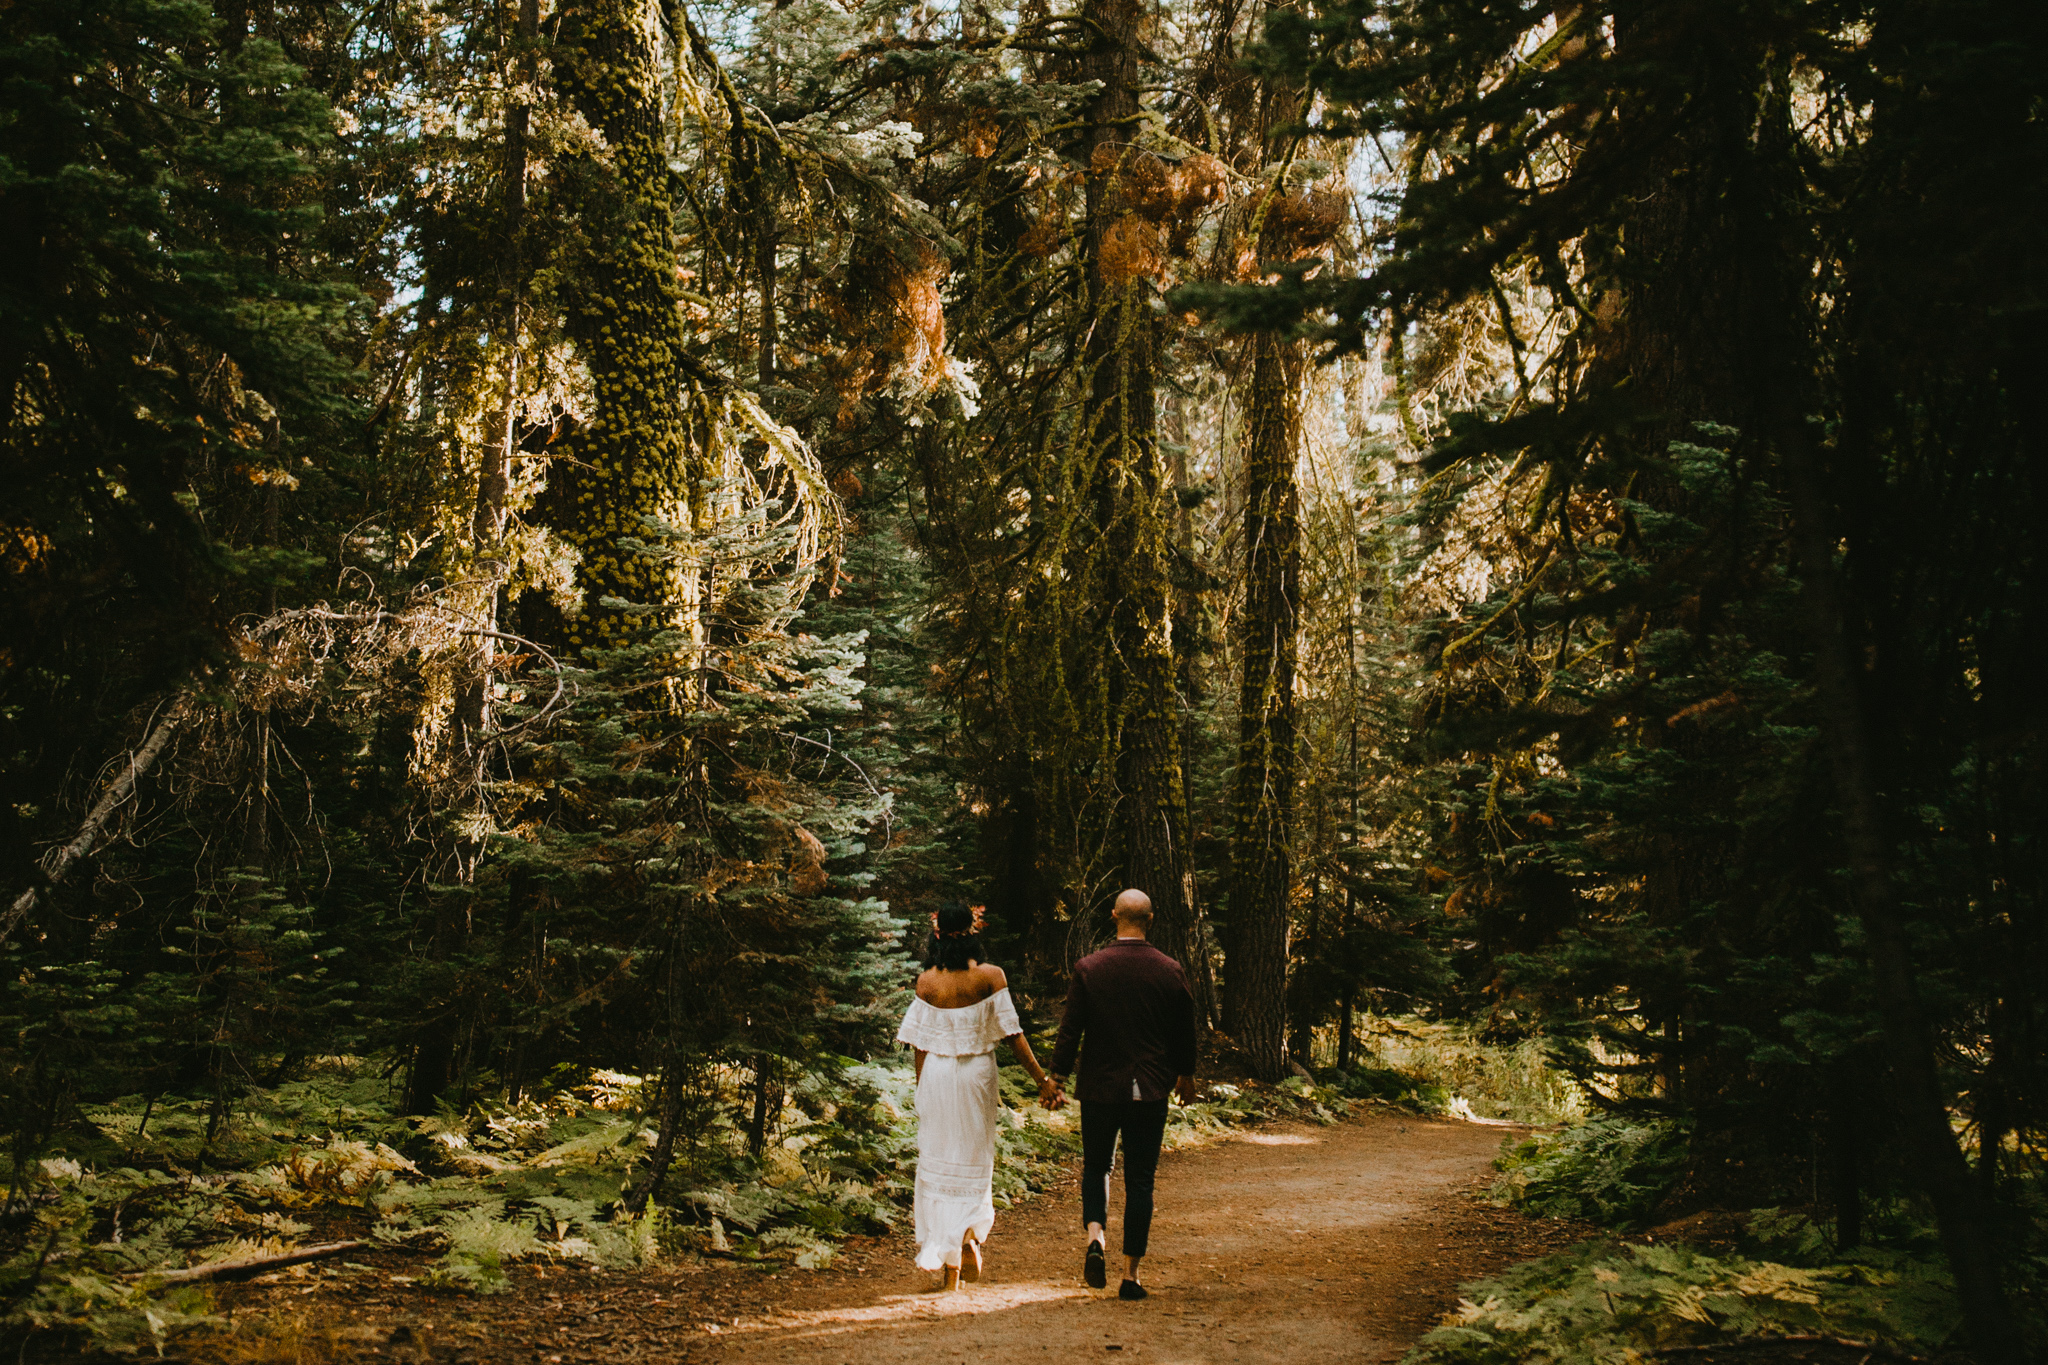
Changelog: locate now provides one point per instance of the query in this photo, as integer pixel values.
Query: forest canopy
(541, 539)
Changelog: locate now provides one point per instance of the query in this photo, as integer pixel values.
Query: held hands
(1050, 1096)
(1185, 1088)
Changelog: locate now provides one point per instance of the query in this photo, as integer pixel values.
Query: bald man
(1131, 1003)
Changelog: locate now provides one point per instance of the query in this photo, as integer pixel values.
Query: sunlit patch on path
(1279, 1139)
(901, 1308)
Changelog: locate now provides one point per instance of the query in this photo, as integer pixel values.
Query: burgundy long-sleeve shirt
(1132, 1004)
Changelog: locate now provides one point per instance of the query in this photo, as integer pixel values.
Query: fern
(1601, 1302)
(1610, 1171)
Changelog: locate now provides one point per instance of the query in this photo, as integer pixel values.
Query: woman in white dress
(961, 1012)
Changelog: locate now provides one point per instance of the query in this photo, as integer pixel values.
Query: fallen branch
(242, 1267)
(727, 1254)
(1814, 1339)
(58, 862)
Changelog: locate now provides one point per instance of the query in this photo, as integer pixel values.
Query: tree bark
(633, 460)
(487, 526)
(1262, 806)
(434, 1054)
(494, 480)
(1132, 495)
(1845, 1142)
(1921, 1099)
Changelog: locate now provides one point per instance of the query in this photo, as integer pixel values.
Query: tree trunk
(664, 1153)
(632, 461)
(1262, 807)
(1135, 505)
(757, 1123)
(1845, 1143)
(1921, 1099)
(434, 1054)
(256, 830)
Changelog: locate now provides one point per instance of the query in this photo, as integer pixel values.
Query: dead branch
(242, 1267)
(57, 863)
(426, 621)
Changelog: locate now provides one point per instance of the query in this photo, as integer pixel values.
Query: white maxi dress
(956, 1121)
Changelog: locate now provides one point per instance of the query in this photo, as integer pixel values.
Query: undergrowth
(155, 1186)
(1610, 1171)
(1606, 1303)
(1602, 1303)
(1453, 1070)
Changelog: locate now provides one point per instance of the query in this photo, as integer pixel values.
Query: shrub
(1611, 1171)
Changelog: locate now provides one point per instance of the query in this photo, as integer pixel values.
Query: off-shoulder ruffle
(960, 1032)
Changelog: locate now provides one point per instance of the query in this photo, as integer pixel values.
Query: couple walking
(1129, 1004)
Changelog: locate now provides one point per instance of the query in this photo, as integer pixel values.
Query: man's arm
(1180, 1049)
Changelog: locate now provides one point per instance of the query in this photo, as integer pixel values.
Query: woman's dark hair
(956, 943)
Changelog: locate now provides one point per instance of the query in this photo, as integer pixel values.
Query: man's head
(1133, 911)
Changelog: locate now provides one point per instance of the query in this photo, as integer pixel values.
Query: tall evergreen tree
(1660, 187)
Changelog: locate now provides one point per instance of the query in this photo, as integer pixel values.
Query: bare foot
(970, 1261)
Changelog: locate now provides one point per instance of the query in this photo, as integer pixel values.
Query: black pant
(1143, 1124)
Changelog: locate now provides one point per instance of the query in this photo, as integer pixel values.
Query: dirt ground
(1285, 1243)
(1294, 1243)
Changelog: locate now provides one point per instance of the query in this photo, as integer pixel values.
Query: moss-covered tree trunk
(630, 463)
(1132, 500)
(633, 460)
(1262, 807)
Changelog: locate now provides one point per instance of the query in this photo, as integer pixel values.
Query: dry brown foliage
(1160, 190)
(1131, 248)
(890, 310)
(1294, 227)
(807, 876)
(1204, 183)
(981, 133)
(1055, 204)
(1043, 237)
(1165, 202)
(22, 549)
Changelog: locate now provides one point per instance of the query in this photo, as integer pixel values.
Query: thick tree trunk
(1135, 503)
(757, 1123)
(1262, 808)
(632, 460)
(1344, 1028)
(1919, 1095)
(1845, 1144)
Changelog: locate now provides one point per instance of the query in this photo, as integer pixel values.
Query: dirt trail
(1285, 1244)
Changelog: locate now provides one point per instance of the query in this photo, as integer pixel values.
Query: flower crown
(970, 931)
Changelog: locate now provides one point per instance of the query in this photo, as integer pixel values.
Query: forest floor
(1286, 1242)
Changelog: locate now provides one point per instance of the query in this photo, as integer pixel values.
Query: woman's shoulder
(992, 976)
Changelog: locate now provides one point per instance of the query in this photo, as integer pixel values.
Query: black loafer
(1130, 1289)
(1096, 1270)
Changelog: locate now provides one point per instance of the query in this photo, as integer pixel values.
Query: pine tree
(1647, 192)
(1263, 811)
